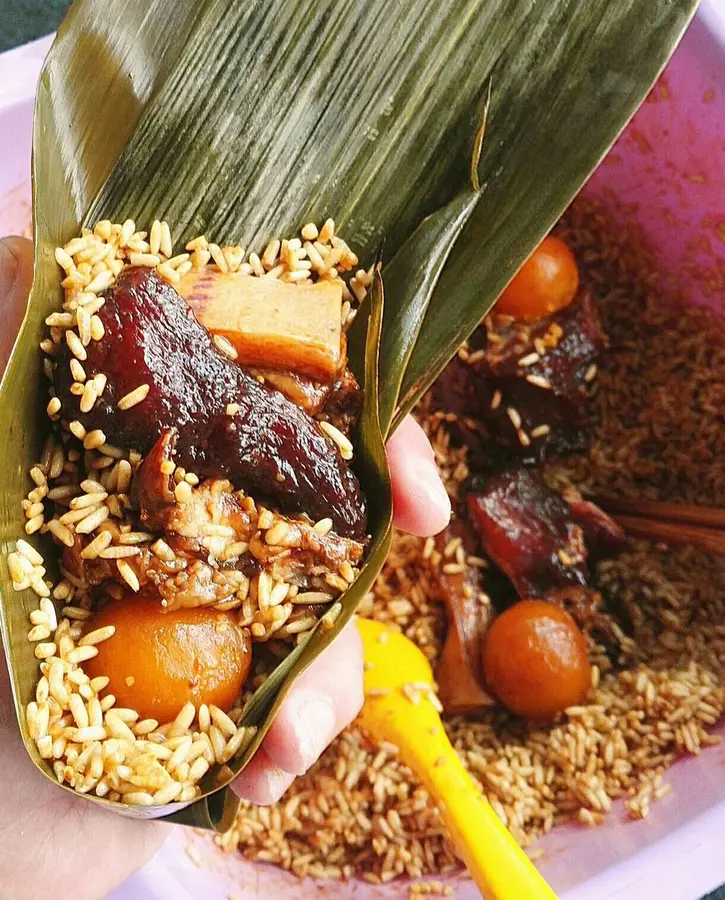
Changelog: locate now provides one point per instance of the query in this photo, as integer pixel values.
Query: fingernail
(277, 783)
(314, 728)
(261, 783)
(430, 483)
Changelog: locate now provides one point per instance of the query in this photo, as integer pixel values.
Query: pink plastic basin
(667, 172)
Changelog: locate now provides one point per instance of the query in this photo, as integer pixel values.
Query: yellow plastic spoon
(495, 861)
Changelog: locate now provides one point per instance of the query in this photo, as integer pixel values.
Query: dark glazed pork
(526, 384)
(529, 533)
(268, 446)
(542, 372)
(537, 537)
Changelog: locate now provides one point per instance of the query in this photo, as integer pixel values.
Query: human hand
(48, 835)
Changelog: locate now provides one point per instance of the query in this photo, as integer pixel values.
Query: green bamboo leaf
(278, 130)
(410, 278)
(245, 120)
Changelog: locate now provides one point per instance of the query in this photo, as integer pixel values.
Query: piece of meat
(340, 401)
(210, 521)
(152, 492)
(268, 446)
(458, 673)
(457, 390)
(538, 405)
(197, 584)
(584, 605)
(272, 323)
(566, 343)
(528, 531)
(460, 396)
(218, 519)
(189, 581)
(182, 581)
(344, 404)
(601, 532)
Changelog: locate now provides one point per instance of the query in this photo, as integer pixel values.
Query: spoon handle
(497, 864)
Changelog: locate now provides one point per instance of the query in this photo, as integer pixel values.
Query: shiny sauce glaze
(269, 446)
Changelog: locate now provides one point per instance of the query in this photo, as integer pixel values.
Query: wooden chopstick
(710, 539)
(673, 523)
(665, 511)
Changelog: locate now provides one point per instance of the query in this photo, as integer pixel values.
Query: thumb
(16, 275)
(420, 502)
